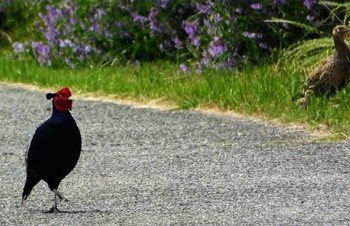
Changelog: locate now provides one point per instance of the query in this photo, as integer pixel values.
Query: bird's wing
(27, 149)
(29, 144)
(319, 75)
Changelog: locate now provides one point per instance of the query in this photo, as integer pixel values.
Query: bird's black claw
(61, 197)
(53, 210)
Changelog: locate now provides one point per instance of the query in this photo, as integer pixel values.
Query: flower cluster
(211, 34)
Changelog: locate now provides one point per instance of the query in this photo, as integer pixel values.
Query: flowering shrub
(203, 34)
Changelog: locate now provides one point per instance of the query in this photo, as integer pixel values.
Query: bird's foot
(303, 102)
(53, 210)
(61, 197)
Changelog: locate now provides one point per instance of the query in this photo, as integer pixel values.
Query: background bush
(200, 34)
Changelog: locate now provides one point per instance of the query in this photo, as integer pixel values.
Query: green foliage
(337, 10)
(255, 89)
(263, 91)
(306, 54)
(17, 20)
(201, 34)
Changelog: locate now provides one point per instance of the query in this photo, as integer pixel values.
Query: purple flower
(18, 47)
(184, 68)
(42, 53)
(252, 35)
(68, 9)
(107, 33)
(217, 18)
(178, 43)
(199, 68)
(309, 4)
(310, 18)
(205, 59)
(65, 43)
(203, 9)
(211, 29)
(263, 45)
(239, 10)
(152, 20)
(51, 33)
(285, 25)
(52, 14)
(256, 6)
(138, 19)
(72, 20)
(189, 28)
(99, 13)
(216, 48)
(195, 42)
(229, 62)
(162, 3)
(123, 32)
(94, 26)
(87, 49)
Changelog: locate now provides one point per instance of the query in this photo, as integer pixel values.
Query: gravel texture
(151, 167)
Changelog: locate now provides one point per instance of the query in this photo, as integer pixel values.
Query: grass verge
(264, 91)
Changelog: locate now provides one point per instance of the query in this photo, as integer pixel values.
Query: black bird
(55, 147)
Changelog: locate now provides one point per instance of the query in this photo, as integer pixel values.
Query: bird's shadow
(37, 211)
(48, 211)
(74, 211)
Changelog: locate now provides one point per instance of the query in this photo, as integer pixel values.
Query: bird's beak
(71, 99)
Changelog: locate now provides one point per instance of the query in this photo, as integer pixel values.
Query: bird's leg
(54, 209)
(305, 101)
(61, 197)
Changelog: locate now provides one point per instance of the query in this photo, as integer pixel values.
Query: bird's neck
(341, 46)
(60, 116)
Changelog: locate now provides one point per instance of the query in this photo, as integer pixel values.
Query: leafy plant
(198, 34)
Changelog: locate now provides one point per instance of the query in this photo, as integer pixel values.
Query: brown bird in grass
(332, 74)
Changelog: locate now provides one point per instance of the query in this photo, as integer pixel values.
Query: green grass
(264, 91)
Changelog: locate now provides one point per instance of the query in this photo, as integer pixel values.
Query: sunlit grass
(264, 91)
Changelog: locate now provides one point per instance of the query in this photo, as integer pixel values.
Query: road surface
(144, 166)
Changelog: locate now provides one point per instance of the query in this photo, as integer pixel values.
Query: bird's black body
(53, 151)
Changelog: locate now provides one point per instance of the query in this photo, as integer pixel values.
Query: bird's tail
(28, 186)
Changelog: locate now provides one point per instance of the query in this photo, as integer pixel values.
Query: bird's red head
(61, 99)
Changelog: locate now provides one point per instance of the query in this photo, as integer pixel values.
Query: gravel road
(144, 166)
